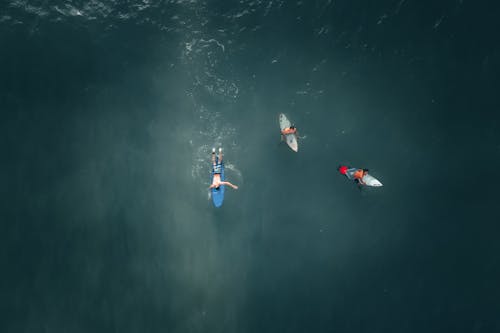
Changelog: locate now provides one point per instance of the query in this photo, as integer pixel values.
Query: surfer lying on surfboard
(360, 176)
(217, 169)
(354, 174)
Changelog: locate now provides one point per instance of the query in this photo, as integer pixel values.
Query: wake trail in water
(204, 55)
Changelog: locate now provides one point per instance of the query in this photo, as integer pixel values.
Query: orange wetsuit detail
(289, 131)
(358, 174)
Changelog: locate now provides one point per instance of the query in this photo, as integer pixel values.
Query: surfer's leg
(220, 155)
(213, 157)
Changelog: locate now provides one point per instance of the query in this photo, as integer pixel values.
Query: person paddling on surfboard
(288, 132)
(354, 174)
(217, 169)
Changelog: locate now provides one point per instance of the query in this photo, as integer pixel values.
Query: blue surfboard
(218, 194)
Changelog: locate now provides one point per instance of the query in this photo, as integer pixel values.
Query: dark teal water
(110, 110)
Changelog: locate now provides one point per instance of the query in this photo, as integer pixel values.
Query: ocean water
(109, 113)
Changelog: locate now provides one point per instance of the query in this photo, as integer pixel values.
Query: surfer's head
(365, 171)
(342, 169)
(292, 127)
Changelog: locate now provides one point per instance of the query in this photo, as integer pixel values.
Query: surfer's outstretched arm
(229, 184)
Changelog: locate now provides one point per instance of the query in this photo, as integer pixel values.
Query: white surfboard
(291, 139)
(369, 180)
